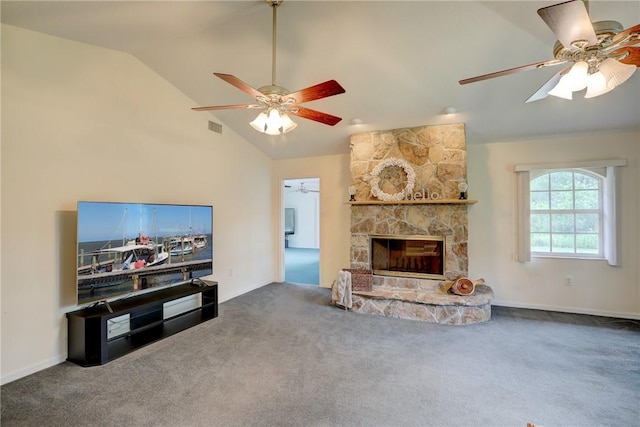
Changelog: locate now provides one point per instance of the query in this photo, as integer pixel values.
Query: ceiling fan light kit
(602, 53)
(277, 102)
(273, 123)
(607, 76)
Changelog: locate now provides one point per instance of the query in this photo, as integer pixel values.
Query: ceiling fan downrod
(274, 5)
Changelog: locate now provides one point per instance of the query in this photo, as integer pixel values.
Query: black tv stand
(104, 331)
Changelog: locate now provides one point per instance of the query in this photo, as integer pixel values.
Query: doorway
(302, 231)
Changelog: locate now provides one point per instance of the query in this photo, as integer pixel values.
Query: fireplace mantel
(416, 202)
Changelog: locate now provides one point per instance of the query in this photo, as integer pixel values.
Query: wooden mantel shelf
(416, 202)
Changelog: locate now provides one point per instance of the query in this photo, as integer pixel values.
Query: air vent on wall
(215, 127)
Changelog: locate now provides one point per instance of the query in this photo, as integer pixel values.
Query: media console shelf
(98, 334)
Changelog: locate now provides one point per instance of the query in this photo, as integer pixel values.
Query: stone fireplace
(415, 244)
(438, 156)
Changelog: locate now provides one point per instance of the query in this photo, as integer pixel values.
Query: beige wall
(335, 179)
(85, 123)
(598, 288)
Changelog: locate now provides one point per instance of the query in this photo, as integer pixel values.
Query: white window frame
(609, 232)
(599, 175)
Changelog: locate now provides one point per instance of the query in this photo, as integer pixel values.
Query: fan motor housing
(603, 30)
(273, 90)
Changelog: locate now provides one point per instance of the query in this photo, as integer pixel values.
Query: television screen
(126, 248)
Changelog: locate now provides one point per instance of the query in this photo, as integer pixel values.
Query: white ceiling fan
(303, 188)
(601, 53)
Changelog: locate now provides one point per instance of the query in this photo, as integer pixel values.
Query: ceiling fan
(277, 102)
(303, 189)
(601, 53)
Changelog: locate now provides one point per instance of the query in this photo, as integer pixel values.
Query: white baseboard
(33, 369)
(62, 357)
(243, 291)
(634, 316)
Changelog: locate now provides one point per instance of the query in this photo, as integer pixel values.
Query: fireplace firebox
(408, 256)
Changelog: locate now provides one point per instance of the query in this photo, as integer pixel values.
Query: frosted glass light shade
(576, 78)
(615, 72)
(274, 122)
(260, 122)
(287, 124)
(612, 73)
(562, 90)
(597, 85)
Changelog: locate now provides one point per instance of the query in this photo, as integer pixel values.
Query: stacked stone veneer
(438, 156)
(448, 221)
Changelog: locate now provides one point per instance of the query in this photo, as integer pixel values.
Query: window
(568, 210)
(566, 213)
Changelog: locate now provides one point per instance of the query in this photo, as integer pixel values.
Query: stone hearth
(437, 154)
(418, 299)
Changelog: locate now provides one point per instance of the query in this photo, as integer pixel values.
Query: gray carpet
(302, 265)
(282, 356)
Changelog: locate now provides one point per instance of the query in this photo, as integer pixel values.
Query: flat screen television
(128, 248)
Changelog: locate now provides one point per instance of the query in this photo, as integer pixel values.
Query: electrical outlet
(568, 281)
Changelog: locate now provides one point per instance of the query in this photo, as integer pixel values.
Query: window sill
(567, 256)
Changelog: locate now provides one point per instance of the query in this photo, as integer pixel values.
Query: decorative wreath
(375, 188)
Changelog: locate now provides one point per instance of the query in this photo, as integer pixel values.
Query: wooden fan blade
(322, 90)
(511, 71)
(627, 37)
(633, 55)
(307, 113)
(226, 107)
(543, 92)
(233, 80)
(570, 22)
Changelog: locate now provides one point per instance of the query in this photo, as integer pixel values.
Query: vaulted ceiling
(399, 61)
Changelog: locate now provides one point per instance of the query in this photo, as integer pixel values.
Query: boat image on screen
(126, 248)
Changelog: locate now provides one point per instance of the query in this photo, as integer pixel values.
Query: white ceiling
(399, 61)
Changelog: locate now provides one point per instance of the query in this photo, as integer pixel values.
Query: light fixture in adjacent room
(450, 110)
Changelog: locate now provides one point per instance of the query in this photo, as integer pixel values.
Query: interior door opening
(302, 231)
